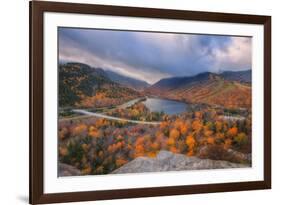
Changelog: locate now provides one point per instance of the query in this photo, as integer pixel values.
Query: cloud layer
(151, 56)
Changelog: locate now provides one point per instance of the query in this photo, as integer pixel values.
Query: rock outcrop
(68, 170)
(167, 161)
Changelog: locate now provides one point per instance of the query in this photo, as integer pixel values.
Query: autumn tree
(139, 147)
(218, 126)
(197, 125)
(232, 132)
(94, 132)
(240, 139)
(63, 133)
(121, 161)
(174, 133)
(79, 129)
(227, 143)
(183, 128)
(190, 142)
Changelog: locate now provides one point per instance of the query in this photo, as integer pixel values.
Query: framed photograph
(139, 102)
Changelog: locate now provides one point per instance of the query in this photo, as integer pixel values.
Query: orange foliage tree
(232, 132)
(190, 142)
(139, 147)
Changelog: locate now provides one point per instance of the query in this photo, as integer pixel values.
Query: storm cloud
(152, 56)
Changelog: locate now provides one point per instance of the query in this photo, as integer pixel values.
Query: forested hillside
(83, 86)
(229, 89)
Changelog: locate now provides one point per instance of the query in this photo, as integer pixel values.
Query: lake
(169, 107)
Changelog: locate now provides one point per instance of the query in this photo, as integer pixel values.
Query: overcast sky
(153, 56)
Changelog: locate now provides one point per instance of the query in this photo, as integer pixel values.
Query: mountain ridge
(225, 89)
(127, 81)
(174, 82)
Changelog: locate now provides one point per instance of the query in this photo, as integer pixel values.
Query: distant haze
(151, 56)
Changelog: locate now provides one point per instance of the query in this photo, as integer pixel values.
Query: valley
(107, 120)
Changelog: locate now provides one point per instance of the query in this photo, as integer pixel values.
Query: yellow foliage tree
(151, 154)
(171, 141)
(241, 138)
(218, 125)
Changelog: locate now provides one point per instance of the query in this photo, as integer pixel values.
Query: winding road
(84, 112)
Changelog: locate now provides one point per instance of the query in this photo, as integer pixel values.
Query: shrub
(241, 139)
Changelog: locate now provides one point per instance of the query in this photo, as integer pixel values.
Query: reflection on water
(169, 107)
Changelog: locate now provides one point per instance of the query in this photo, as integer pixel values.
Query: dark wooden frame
(37, 9)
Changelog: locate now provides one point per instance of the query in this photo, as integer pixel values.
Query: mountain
(176, 82)
(241, 76)
(127, 81)
(229, 89)
(82, 85)
(76, 79)
(167, 84)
